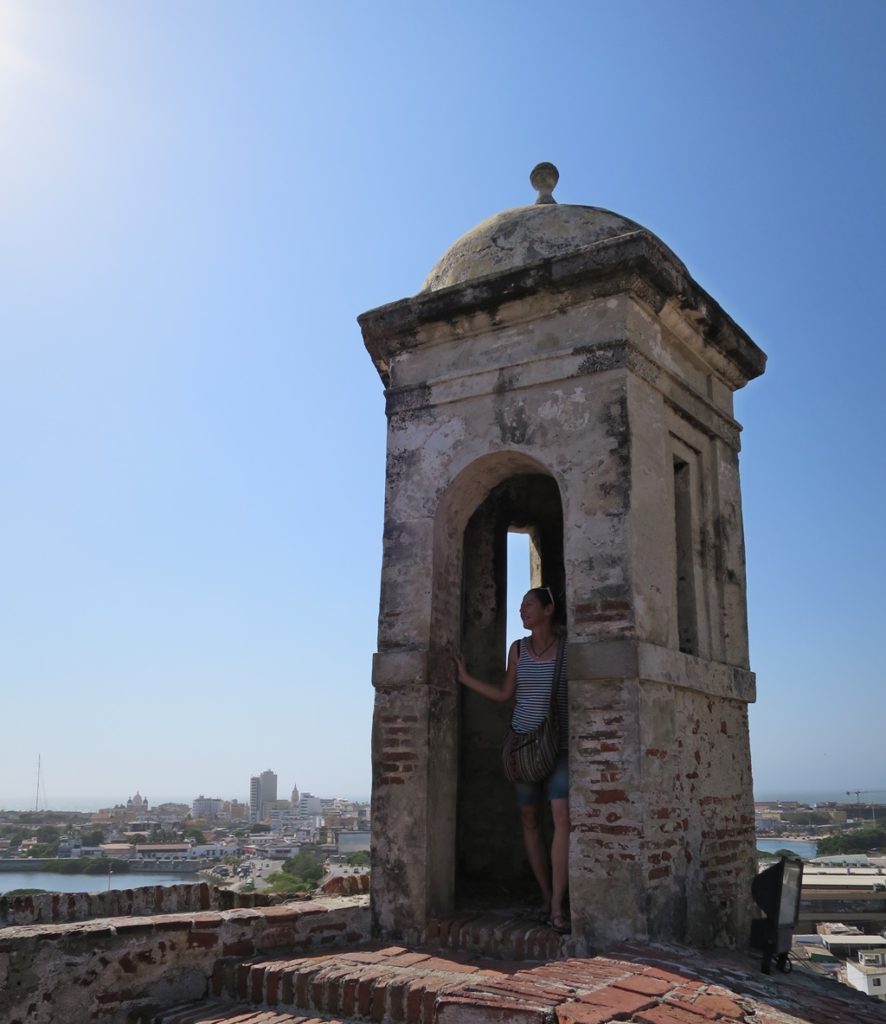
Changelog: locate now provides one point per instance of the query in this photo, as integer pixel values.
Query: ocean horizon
(90, 804)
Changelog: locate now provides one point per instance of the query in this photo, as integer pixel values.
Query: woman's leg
(560, 857)
(535, 848)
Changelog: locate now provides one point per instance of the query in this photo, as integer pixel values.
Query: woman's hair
(544, 594)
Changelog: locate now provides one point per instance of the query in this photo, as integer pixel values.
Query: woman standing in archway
(530, 675)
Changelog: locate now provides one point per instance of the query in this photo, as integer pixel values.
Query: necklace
(540, 653)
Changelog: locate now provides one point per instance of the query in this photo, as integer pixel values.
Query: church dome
(526, 235)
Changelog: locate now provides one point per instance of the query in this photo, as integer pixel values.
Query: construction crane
(866, 792)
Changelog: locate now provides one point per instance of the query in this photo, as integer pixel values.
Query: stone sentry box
(561, 374)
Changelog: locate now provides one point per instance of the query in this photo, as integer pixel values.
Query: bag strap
(558, 672)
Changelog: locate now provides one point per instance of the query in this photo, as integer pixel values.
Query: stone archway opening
(490, 864)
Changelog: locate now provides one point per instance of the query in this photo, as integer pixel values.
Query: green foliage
(305, 865)
(24, 892)
(258, 828)
(103, 866)
(68, 866)
(862, 840)
(95, 837)
(361, 859)
(195, 834)
(61, 818)
(85, 865)
(45, 849)
(283, 881)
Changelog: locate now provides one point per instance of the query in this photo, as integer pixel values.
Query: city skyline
(198, 202)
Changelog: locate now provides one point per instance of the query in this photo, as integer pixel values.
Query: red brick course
(400, 985)
(618, 1000)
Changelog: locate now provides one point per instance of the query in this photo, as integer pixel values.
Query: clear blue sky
(197, 199)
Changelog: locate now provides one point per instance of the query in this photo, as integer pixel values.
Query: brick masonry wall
(663, 831)
(106, 969)
(59, 908)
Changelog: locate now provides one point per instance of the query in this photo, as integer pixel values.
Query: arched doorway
(484, 863)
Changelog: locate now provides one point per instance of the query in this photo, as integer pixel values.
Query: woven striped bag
(531, 756)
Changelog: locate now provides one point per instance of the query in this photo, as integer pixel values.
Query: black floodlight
(776, 891)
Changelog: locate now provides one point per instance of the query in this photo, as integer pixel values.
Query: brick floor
(641, 985)
(483, 969)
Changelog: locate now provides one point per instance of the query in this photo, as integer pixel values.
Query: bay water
(52, 881)
(801, 849)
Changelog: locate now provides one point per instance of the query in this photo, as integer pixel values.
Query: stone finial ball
(544, 178)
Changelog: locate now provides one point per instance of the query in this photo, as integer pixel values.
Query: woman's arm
(501, 692)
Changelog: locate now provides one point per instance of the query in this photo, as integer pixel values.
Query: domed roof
(525, 235)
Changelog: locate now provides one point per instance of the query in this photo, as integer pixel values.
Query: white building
(213, 851)
(206, 807)
(868, 974)
(848, 944)
(309, 805)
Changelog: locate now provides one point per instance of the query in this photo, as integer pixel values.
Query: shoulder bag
(531, 756)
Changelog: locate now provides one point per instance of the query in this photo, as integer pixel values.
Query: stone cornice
(650, 663)
(636, 263)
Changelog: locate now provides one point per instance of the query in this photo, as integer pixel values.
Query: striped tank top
(534, 680)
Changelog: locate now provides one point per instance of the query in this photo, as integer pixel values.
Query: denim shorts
(556, 785)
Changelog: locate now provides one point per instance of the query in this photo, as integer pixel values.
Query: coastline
(135, 867)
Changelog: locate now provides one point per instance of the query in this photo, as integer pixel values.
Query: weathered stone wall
(107, 969)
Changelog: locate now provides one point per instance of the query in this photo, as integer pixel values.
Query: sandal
(560, 924)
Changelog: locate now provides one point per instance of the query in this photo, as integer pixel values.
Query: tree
(282, 881)
(47, 835)
(306, 866)
(861, 840)
(360, 859)
(45, 849)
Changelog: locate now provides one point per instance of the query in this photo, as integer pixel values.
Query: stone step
(218, 1012)
(503, 935)
(392, 983)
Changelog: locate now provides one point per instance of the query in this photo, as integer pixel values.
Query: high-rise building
(262, 793)
(254, 799)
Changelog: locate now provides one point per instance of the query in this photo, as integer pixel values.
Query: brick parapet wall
(106, 969)
(60, 908)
